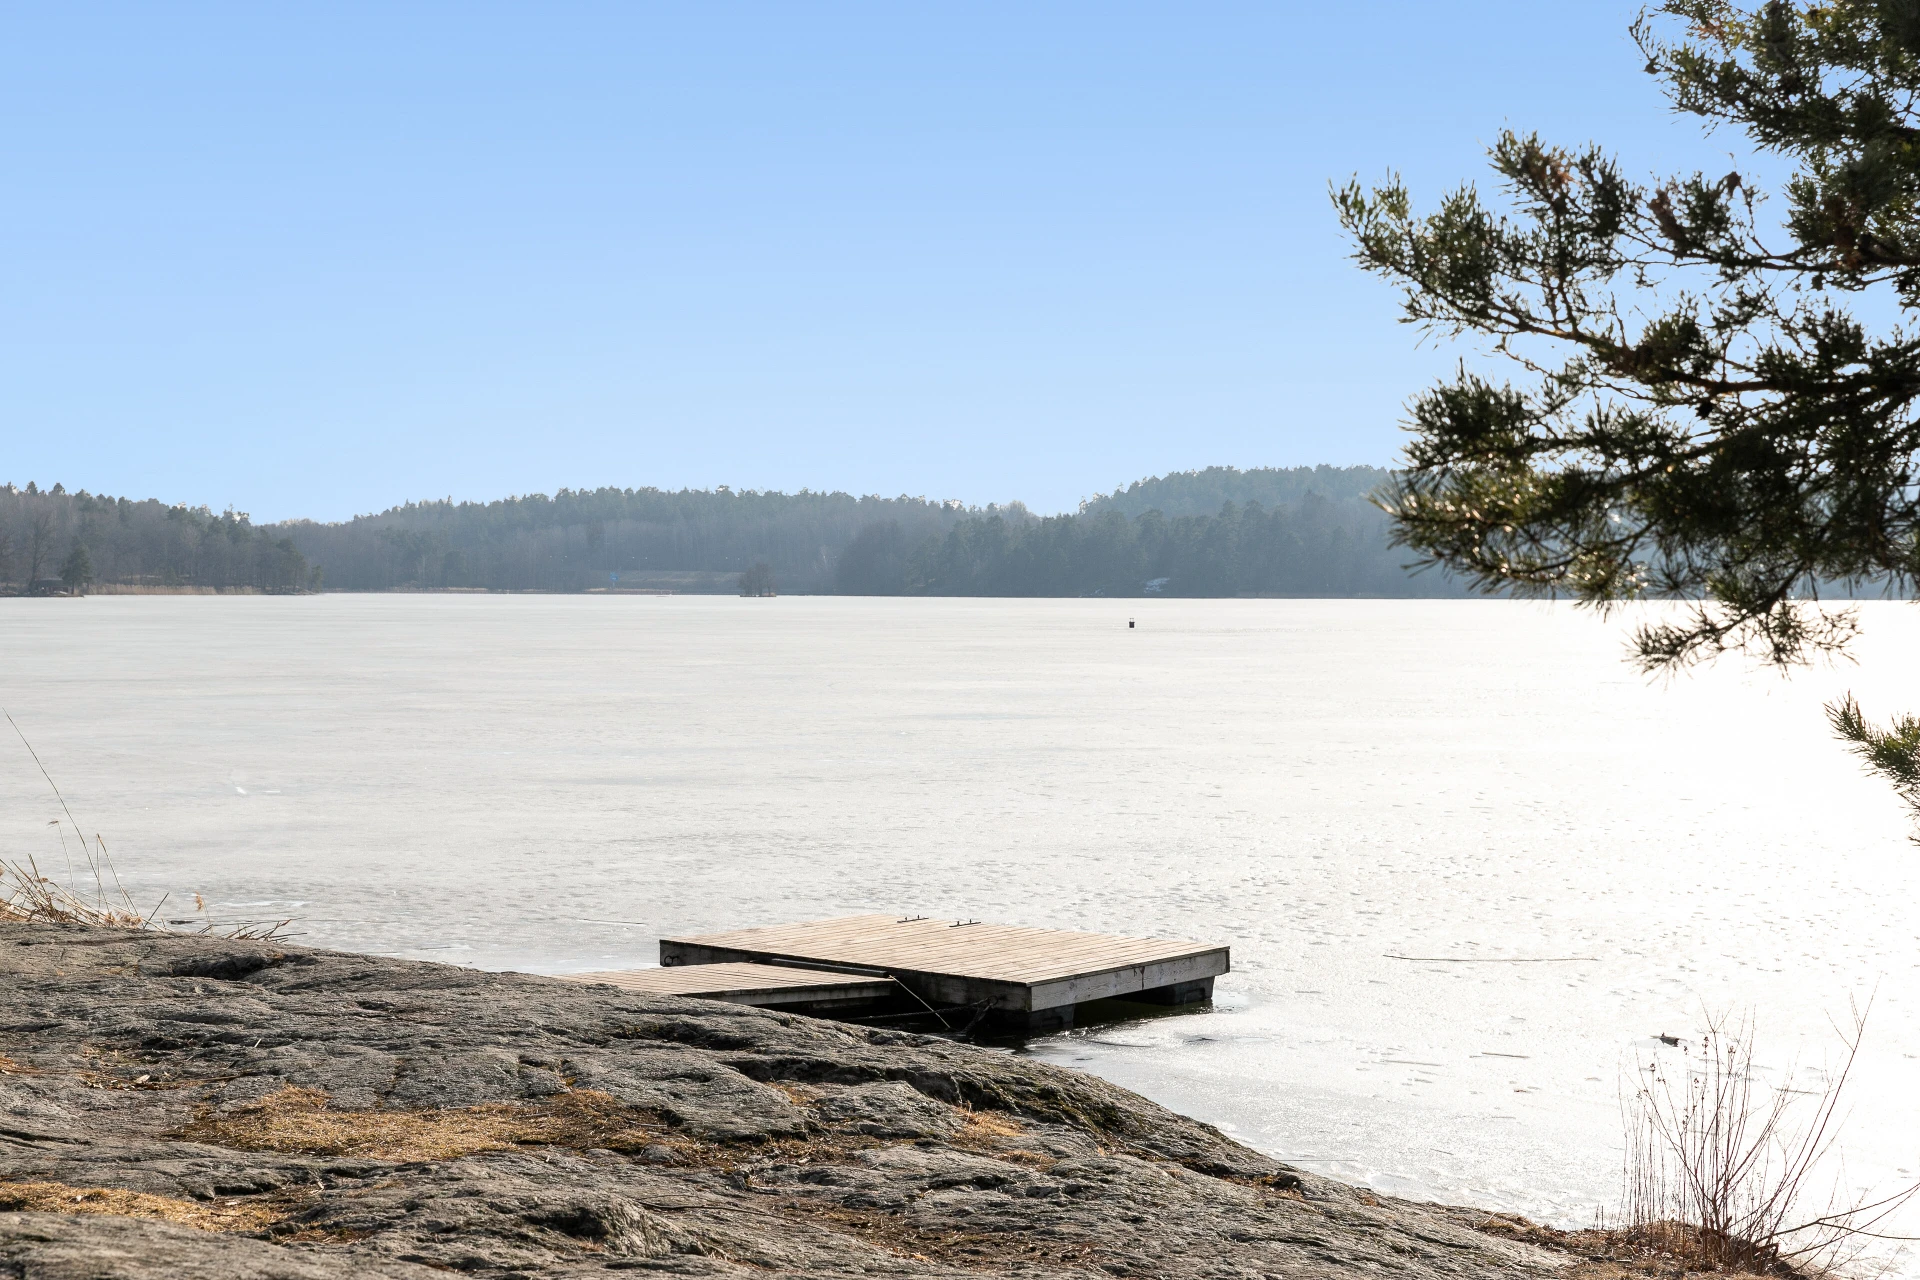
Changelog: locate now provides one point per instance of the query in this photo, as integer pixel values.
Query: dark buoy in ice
(1129, 624)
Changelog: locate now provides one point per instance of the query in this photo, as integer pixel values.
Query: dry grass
(1602, 1254)
(303, 1121)
(25, 894)
(28, 896)
(59, 1197)
(987, 1125)
(992, 1133)
(299, 1120)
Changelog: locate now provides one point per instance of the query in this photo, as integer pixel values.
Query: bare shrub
(1720, 1165)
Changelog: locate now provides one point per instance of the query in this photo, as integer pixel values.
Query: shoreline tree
(39, 539)
(757, 581)
(76, 571)
(1700, 416)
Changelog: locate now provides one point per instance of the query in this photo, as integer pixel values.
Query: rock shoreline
(191, 1106)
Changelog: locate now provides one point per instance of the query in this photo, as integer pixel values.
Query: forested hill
(690, 539)
(1301, 531)
(1217, 532)
(1204, 492)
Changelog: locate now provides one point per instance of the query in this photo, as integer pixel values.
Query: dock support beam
(1199, 991)
(1036, 1022)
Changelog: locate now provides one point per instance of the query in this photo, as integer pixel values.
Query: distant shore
(144, 589)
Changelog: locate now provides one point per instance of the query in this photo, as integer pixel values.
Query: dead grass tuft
(29, 897)
(1680, 1248)
(991, 1133)
(59, 1197)
(992, 1124)
(1667, 1251)
(299, 1120)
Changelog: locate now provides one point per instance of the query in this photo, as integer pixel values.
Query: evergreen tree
(77, 570)
(874, 563)
(1701, 415)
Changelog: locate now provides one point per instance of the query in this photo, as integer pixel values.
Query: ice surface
(552, 782)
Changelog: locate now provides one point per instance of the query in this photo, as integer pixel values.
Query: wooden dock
(808, 990)
(1025, 977)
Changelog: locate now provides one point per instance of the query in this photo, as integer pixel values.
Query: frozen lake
(550, 783)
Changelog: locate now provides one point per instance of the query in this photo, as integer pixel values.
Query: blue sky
(316, 261)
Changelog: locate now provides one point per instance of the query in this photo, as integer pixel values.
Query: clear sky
(319, 260)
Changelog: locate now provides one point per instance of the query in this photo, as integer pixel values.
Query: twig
(114, 872)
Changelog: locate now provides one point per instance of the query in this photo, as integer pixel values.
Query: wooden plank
(1004, 953)
(741, 983)
(1128, 981)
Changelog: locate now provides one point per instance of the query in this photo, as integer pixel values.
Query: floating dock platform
(1022, 978)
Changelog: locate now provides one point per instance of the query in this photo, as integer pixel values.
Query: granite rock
(180, 1106)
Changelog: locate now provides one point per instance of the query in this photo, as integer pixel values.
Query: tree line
(581, 538)
(1216, 532)
(55, 539)
(1315, 547)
